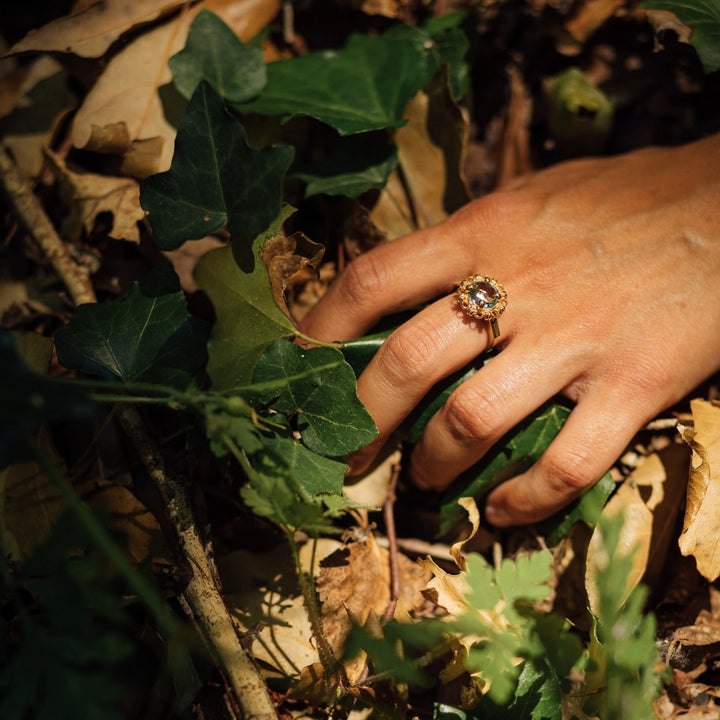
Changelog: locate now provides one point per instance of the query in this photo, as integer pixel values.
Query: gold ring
(484, 298)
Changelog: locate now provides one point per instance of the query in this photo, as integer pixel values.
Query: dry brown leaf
(123, 112)
(636, 532)
(91, 30)
(29, 505)
(514, 150)
(700, 536)
(420, 199)
(355, 582)
(446, 590)
(89, 194)
(286, 258)
(31, 112)
(261, 591)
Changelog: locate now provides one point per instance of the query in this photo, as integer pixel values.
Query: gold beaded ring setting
(484, 298)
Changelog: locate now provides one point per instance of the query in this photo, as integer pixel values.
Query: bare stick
(75, 277)
(202, 594)
(388, 510)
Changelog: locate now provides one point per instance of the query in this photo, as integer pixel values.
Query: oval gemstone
(483, 293)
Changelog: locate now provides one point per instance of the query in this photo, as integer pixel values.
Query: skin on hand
(612, 270)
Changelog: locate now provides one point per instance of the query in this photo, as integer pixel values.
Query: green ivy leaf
(318, 387)
(314, 473)
(363, 86)
(358, 163)
(28, 401)
(213, 52)
(511, 455)
(215, 179)
(703, 16)
(247, 317)
(145, 335)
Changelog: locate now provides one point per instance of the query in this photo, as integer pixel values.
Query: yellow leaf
(700, 536)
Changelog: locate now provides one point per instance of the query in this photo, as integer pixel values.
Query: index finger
(393, 277)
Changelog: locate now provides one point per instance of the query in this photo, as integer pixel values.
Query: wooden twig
(389, 513)
(202, 595)
(28, 208)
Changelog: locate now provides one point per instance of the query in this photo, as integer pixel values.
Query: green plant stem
(201, 593)
(334, 671)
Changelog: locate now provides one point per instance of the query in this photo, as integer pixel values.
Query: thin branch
(388, 510)
(26, 204)
(202, 594)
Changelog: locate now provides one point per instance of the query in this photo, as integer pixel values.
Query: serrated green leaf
(356, 165)
(145, 335)
(363, 86)
(317, 386)
(247, 318)
(213, 52)
(216, 179)
(28, 401)
(703, 16)
(513, 454)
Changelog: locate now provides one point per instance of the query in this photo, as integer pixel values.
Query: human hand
(612, 271)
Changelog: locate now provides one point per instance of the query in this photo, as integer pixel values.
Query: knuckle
(363, 281)
(471, 415)
(569, 471)
(410, 353)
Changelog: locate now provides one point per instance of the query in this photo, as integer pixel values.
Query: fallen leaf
(30, 115)
(447, 590)
(355, 582)
(637, 528)
(414, 197)
(91, 31)
(700, 536)
(124, 110)
(285, 258)
(371, 489)
(89, 194)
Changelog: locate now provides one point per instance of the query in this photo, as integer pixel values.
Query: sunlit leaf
(247, 317)
(318, 387)
(215, 179)
(145, 335)
(213, 52)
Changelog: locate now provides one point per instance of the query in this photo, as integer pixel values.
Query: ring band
(484, 298)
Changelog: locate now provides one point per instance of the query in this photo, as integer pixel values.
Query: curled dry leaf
(33, 101)
(90, 31)
(286, 258)
(124, 112)
(89, 194)
(700, 536)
